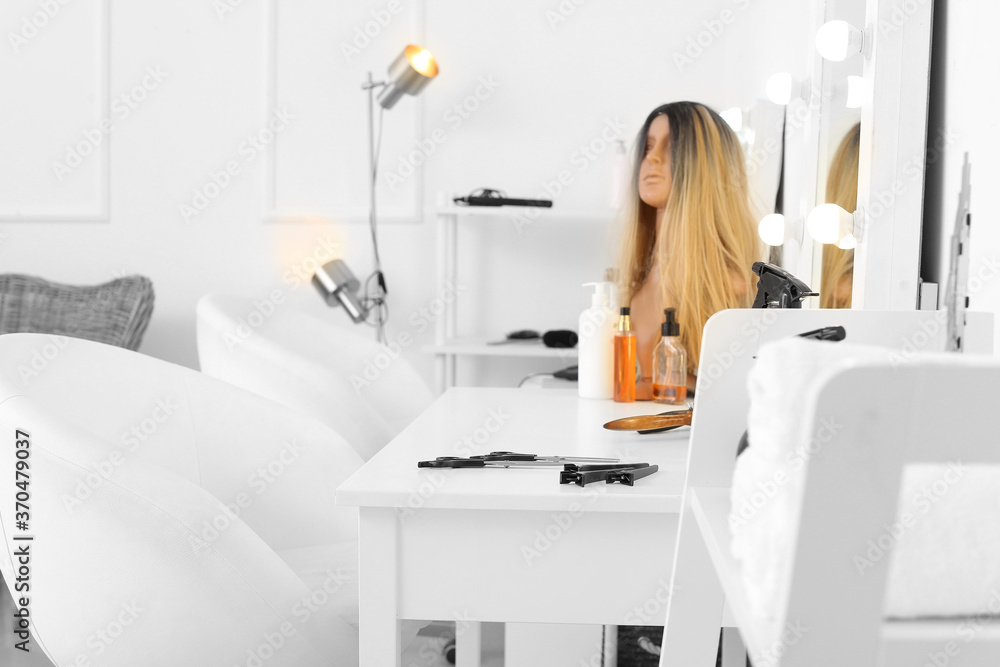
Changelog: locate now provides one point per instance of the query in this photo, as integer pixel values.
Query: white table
(513, 544)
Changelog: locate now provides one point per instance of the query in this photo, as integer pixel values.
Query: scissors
(509, 460)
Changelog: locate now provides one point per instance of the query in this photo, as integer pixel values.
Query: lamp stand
(370, 85)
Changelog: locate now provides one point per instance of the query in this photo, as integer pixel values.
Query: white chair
(852, 530)
(170, 511)
(365, 391)
(837, 607)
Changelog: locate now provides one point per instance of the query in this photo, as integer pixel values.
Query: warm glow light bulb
(779, 88)
(828, 223)
(772, 229)
(422, 60)
(855, 92)
(734, 117)
(836, 40)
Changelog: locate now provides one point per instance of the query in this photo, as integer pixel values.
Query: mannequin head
(689, 215)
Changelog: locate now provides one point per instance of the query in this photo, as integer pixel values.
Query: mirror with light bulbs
(852, 212)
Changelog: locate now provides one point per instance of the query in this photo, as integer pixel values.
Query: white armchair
(365, 391)
(177, 520)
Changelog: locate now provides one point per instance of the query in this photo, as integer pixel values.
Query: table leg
(610, 657)
(734, 654)
(694, 613)
(468, 644)
(378, 584)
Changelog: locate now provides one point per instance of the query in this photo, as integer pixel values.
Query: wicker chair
(116, 312)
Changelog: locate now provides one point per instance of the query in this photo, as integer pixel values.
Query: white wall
(559, 83)
(966, 103)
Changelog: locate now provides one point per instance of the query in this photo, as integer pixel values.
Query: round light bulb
(855, 92)
(848, 242)
(734, 117)
(828, 223)
(771, 229)
(836, 40)
(779, 88)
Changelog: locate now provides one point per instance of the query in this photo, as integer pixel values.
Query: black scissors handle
(452, 462)
(506, 456)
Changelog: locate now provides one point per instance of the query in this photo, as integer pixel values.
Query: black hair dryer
(778, 288)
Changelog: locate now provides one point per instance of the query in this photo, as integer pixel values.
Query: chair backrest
(933, 409)
(210, 433)
(729, 346)
(114, 575)
(365, 391)
(116, 312)
(158, 497)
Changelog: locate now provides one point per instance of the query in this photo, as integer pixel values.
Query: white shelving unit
(448, 345)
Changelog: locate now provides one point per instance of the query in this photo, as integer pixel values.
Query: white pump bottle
(597, 351)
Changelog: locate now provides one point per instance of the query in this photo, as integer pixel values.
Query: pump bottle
(670, 363)
(597, 346)
(625, 357)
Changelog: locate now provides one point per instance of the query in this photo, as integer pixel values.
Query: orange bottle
(625, 356)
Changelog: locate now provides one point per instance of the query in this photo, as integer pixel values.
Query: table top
(468, 421)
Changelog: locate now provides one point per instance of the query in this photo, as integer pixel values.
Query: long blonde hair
(710, 244)
(842, 190)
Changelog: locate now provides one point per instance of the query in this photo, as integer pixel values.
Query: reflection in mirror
(842, 190)
(837, 159)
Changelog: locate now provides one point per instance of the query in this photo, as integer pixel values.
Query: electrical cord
(531, 375)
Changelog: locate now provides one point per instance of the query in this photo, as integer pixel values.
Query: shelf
(476, 346)
(529, 213)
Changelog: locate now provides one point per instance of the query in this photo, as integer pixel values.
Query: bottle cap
(625, 310)
(671, 327)
(600, 297)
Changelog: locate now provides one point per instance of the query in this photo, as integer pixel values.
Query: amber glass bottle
(670, 364)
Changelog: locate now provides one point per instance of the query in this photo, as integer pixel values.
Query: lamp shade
(408, 74)
(337, 285)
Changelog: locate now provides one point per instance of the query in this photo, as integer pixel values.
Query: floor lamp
(408, 74)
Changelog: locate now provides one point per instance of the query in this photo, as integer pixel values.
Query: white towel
(947, 563)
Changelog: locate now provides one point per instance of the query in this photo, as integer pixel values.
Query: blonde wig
(710, 240)
(842, 190)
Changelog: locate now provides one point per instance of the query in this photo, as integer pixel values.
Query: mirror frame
(892, 154)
